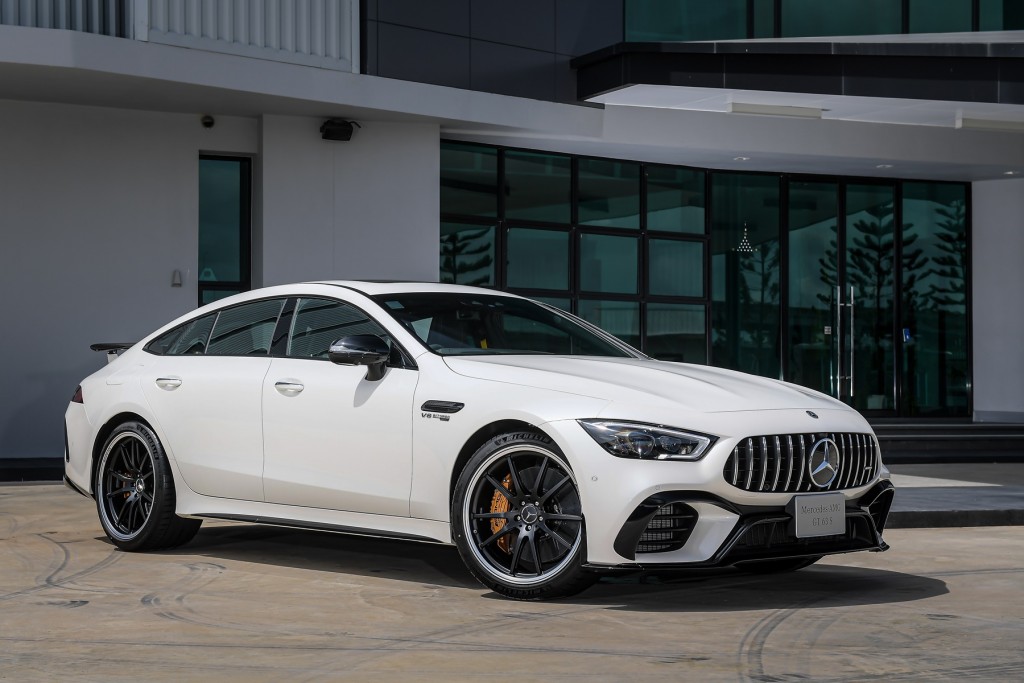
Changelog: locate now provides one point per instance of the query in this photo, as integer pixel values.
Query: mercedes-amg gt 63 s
(546, 450)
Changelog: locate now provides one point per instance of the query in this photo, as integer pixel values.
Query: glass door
(840, 307)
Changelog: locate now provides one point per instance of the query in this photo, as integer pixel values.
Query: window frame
(244, 283)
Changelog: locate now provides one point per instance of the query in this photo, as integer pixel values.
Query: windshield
(471, 324)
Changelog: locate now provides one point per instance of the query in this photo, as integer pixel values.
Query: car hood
(699, 388)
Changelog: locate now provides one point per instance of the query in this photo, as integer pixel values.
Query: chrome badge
(823, 465)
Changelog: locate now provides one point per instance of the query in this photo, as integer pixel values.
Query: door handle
(168, 383)
(289, 387)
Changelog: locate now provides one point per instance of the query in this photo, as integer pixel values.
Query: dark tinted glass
(187, 339)
(208, 296)
(1002, 15)
(469, 179)
(621, 318)
(556, 301)
(813, 278)
(840, 17)
(539, 187)
(666, 20)
(467, 254)
(538, 259)
(937, 16)
(764, 19)
(934, 297)
(609, 193)
(608, 264)
(221, 192)
(459, 324)
(745, 272)
(317, 323)
(675, 199)
(676, 332)
(676, 268)
(245, 330)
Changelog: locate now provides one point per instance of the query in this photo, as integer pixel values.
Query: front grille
(668, 530)
(778, 463)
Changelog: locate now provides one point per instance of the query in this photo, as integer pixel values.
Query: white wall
(998, 295)
(363, 209)
(97, 208)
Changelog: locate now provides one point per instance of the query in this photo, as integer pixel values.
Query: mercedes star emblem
(823, 464)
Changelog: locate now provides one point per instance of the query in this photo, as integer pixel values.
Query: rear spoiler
(113, 349)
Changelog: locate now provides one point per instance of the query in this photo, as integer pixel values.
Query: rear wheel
(789, 564)
(518, 521)
(135, 492)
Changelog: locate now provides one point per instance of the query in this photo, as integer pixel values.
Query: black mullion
(574, 235)
(643, 274)
(707, 262)
(501, 227)
(969, 294)
(778, 22)
(840, 285)
(784, 277)
(246, 222)
(897, 299)
(750, 19)
(975, 20)
(905, 16)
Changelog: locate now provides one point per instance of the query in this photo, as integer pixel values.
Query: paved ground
(261, 604)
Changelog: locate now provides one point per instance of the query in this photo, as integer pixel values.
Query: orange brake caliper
(499, 503)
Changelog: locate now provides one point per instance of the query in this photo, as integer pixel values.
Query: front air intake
(668, 530)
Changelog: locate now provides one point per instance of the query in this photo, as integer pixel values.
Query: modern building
(830, 193)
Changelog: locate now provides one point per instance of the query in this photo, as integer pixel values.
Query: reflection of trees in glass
(466, 257)
(950, 292)
(759, 298)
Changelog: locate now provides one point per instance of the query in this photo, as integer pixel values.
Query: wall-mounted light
(176, 278)
(337, 129)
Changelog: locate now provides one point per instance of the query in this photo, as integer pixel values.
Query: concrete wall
(363, 209)
(998, 284)
(99, 206)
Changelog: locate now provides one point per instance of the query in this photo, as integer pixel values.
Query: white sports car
(547, 450)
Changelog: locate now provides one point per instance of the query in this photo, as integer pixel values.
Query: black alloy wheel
(135, 492)
(518, 520)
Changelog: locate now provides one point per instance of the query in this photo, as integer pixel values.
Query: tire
(789, 564)
(135, 492)
(517, 519)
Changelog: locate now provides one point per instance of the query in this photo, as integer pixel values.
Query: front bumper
(760, 533)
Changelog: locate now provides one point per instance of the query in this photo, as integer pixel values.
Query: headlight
(647, 442)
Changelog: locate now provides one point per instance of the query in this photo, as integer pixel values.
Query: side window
(245, 330)
(187, 339)
(318, 322)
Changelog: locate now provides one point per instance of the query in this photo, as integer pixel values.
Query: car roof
(384, 287)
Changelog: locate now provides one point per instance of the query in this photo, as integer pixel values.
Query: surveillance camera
(207, 121)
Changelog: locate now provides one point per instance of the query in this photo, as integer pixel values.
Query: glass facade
(853, 287)
(694, 20)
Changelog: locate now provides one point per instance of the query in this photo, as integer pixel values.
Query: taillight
(77, 398)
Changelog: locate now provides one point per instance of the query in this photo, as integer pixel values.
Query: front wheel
(518, 521)
(135, 492)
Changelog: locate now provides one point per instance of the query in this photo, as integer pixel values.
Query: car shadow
(698, 590)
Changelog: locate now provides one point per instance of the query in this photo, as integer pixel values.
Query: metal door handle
(168, 383)
(289, 388)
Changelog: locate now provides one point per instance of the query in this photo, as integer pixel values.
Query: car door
(332, 438)
(205, 391)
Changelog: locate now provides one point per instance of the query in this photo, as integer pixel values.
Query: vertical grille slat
(750, 463)
(789, 460)
(764, 462)
(778, 463)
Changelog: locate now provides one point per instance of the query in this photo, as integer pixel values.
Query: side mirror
(362, 349)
